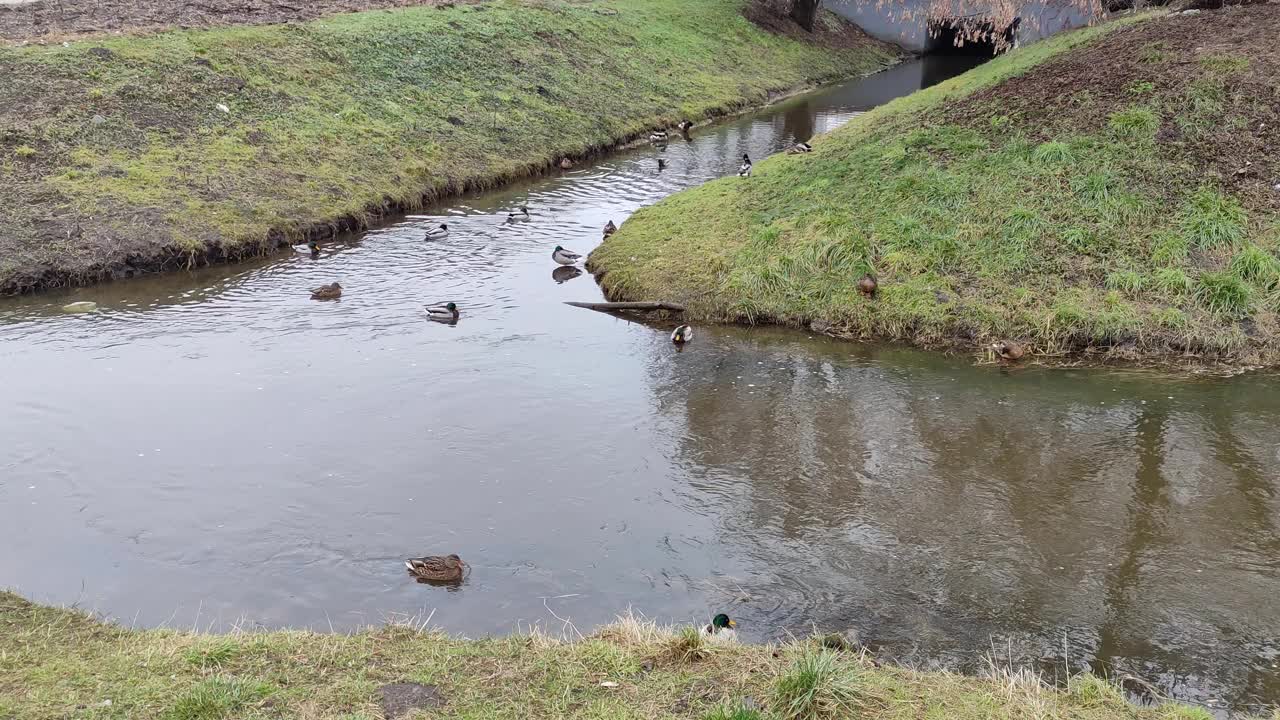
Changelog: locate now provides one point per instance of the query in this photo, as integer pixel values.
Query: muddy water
(216, 447)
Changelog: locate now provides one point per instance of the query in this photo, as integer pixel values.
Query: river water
(215, 447)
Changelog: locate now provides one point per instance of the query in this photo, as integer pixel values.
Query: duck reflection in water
(565, 273)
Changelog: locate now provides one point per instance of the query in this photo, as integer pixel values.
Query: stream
(214, 448)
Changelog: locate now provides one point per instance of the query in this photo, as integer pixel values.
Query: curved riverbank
(1078, 195)
(132, 154)
(61, 663)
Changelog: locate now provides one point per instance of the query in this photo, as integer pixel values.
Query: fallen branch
(612, 306)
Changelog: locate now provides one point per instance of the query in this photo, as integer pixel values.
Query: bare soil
(50, 20)
(1078, 91)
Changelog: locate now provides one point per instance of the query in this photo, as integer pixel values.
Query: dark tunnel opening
(969, 37)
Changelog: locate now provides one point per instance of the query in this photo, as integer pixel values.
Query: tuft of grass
(734, 712)
(1091, 691)
(217, 698)
(688, 645)
(1211, 219)
(1224, 64)
(1223, 293)
(819, 684)
(1257, 266)
(1172, 281)
(25, 151)
(1126, 281)
(1170, 318)
(212, 654)
(1053, 153)
(1142, 87)
(1135, 123)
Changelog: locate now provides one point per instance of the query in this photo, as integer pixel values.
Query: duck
(610, 228)
(437, 568)
(745, 170)
(658, 136)
(446, 313)
(332, 291)
(798, 148)
(868, 285)
(566, 164)
(721, 630)
(438, 233)
(682, 334)
(521, 213)
(1008, 350)
(565, 257)
(312, 248)
(685, 126)
(662, 164)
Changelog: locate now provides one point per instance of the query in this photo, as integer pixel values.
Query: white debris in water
(223, 108)
(83, 306)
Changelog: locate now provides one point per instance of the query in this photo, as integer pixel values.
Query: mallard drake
(438, 233)
(721, 629)
(658, 136)
(868, 285)
(332, 291)
(312, 248)
(446, 313)
(682, 334)
(437, 568)
(566, 164)
(521, 213)
(685, 126)
(662, 164)
(1008, 350)
(565, 257)
(610, 228)
(798, 148)
(745, 170)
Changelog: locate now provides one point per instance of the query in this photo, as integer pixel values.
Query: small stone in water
(80, 307)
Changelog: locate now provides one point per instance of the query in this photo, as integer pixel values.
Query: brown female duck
(1008, 350)
(437, 568)
(332, 291)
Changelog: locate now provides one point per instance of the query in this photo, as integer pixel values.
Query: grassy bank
(62, 664)
(1107, 189)
(134, 153)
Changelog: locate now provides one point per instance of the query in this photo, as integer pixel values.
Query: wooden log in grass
(616, 306)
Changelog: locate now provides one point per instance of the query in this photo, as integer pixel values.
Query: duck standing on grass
(682, 335)
(447, 313)
(721, 630)
(868, 285)
(438, 233)
(610, 228)
(745, 170)
(565, 257)
(437, 568)
(332, 291)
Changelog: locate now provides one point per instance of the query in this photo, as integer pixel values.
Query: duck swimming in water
(565, 257)
(445, 313)
(332, 291)
(682, 334)
(658, 136)
(745, 170)
(438, 233)
(662, 164)
(521, 213)
(437, 568)
(721, 630)
(312, 248)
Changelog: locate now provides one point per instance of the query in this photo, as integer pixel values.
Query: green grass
(1075, 225)
(335, 118)
(58, 664)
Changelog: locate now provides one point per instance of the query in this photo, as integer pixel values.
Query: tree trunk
(805, 12)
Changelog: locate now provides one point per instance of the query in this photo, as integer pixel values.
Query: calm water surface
(214, 447)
